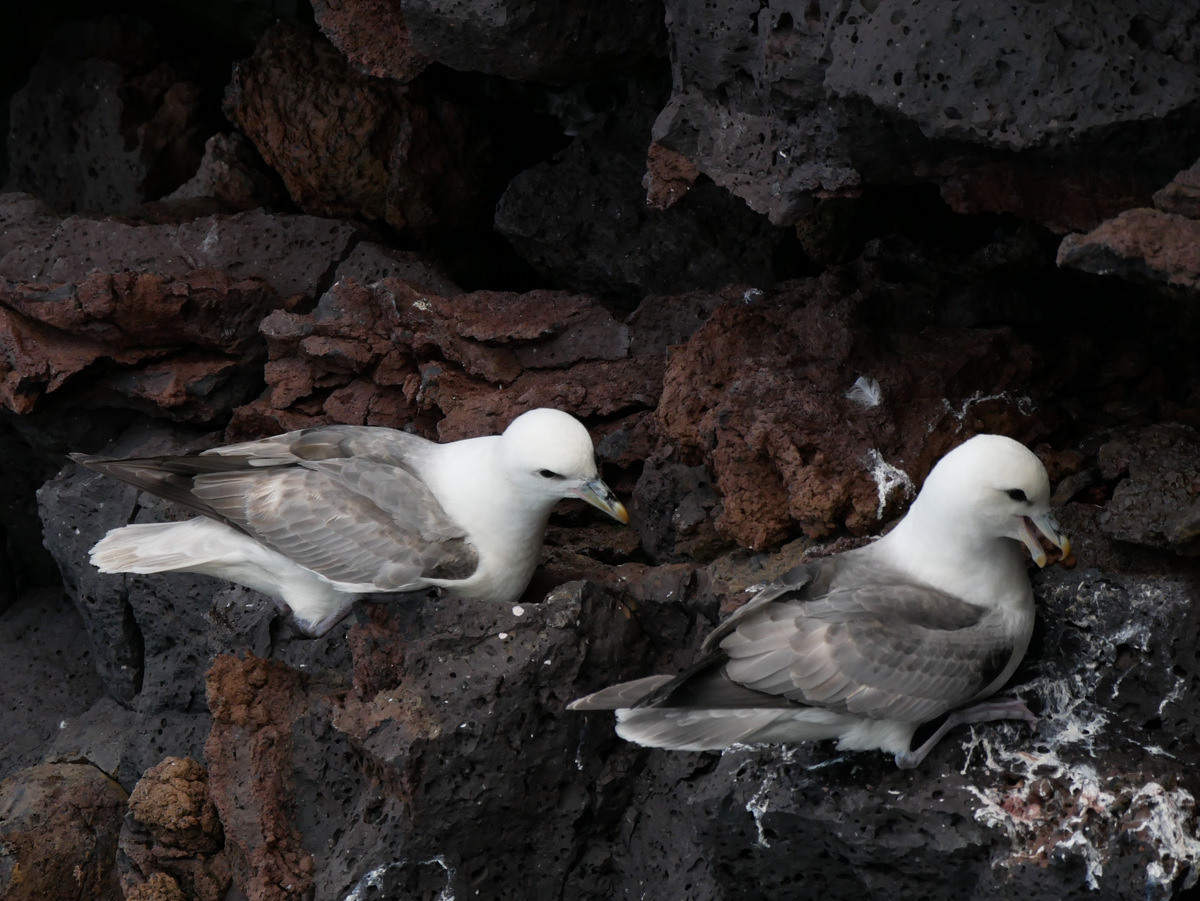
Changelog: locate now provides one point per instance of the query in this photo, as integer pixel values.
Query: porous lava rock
(389, 352)
(535, 40)
(50, 679)
(1155, 245)
(153, 317)
(254, 704)
(763, 394)
(372, 35)
(776, 104)
(173, 835)
(922, 157)
(58, 825)
(1157, 500)
(347, 144)
(153, 637)
(104, 123)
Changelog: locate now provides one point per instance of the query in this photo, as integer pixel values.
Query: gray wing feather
(344, 501)
(327, 443)
(351, 521)
(891, 651)
(812, 577)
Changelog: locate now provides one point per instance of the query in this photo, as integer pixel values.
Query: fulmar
(868, 645)
(319, 517)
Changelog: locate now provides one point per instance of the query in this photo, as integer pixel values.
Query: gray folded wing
(880, 650)
(343, 501)
(839, 634)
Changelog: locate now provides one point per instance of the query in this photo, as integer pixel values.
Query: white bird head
(549, 453)
(992, 487)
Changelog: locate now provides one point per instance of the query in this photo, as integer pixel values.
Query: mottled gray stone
(777, 102)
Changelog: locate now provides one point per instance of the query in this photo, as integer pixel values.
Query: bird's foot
(983, 712)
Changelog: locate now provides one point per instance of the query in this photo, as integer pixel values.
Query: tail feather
(710, 729)
(212, 548)
(150, 548)
(171, 478)
(684, 729)
(625, 694)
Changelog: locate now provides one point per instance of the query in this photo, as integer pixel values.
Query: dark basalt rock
(778, 104)
(582, 220)
(535, 40)
(1157, 502)
(152, 637)
(133, 132)
(50, 679)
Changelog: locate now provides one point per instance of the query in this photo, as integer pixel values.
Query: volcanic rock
(581, 218)
(534, 40)
(777, 105)
(173, 835)
(58, 825)
(1157, 503)
(156, 317)
(372, 35)
(347, 144)
(388, 353)
(133, 132)
(762, 394)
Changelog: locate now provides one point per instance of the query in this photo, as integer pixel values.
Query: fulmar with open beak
(867, 646)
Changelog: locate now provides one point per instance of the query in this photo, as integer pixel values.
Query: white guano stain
(887, 479)
(374, 879)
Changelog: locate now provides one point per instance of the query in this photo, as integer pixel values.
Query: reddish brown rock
(58, 834)
(157, 317)
(326, 129)
(147, 310)
(53, 337)
(290, 253)
(372, 35)
(159, 887)
(254, 703)
(759, 395)
(1041, 191)
(1160, 245)
(669, 175)
(1182, 195)
(347, 144)
(390, 353)
(173, 836)
(1140, 244)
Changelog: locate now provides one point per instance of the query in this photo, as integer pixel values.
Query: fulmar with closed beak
(320, 517)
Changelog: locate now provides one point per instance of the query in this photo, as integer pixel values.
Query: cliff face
(697, 228)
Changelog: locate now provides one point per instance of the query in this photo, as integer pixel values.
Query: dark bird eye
(1017, 495)
(549, 474)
